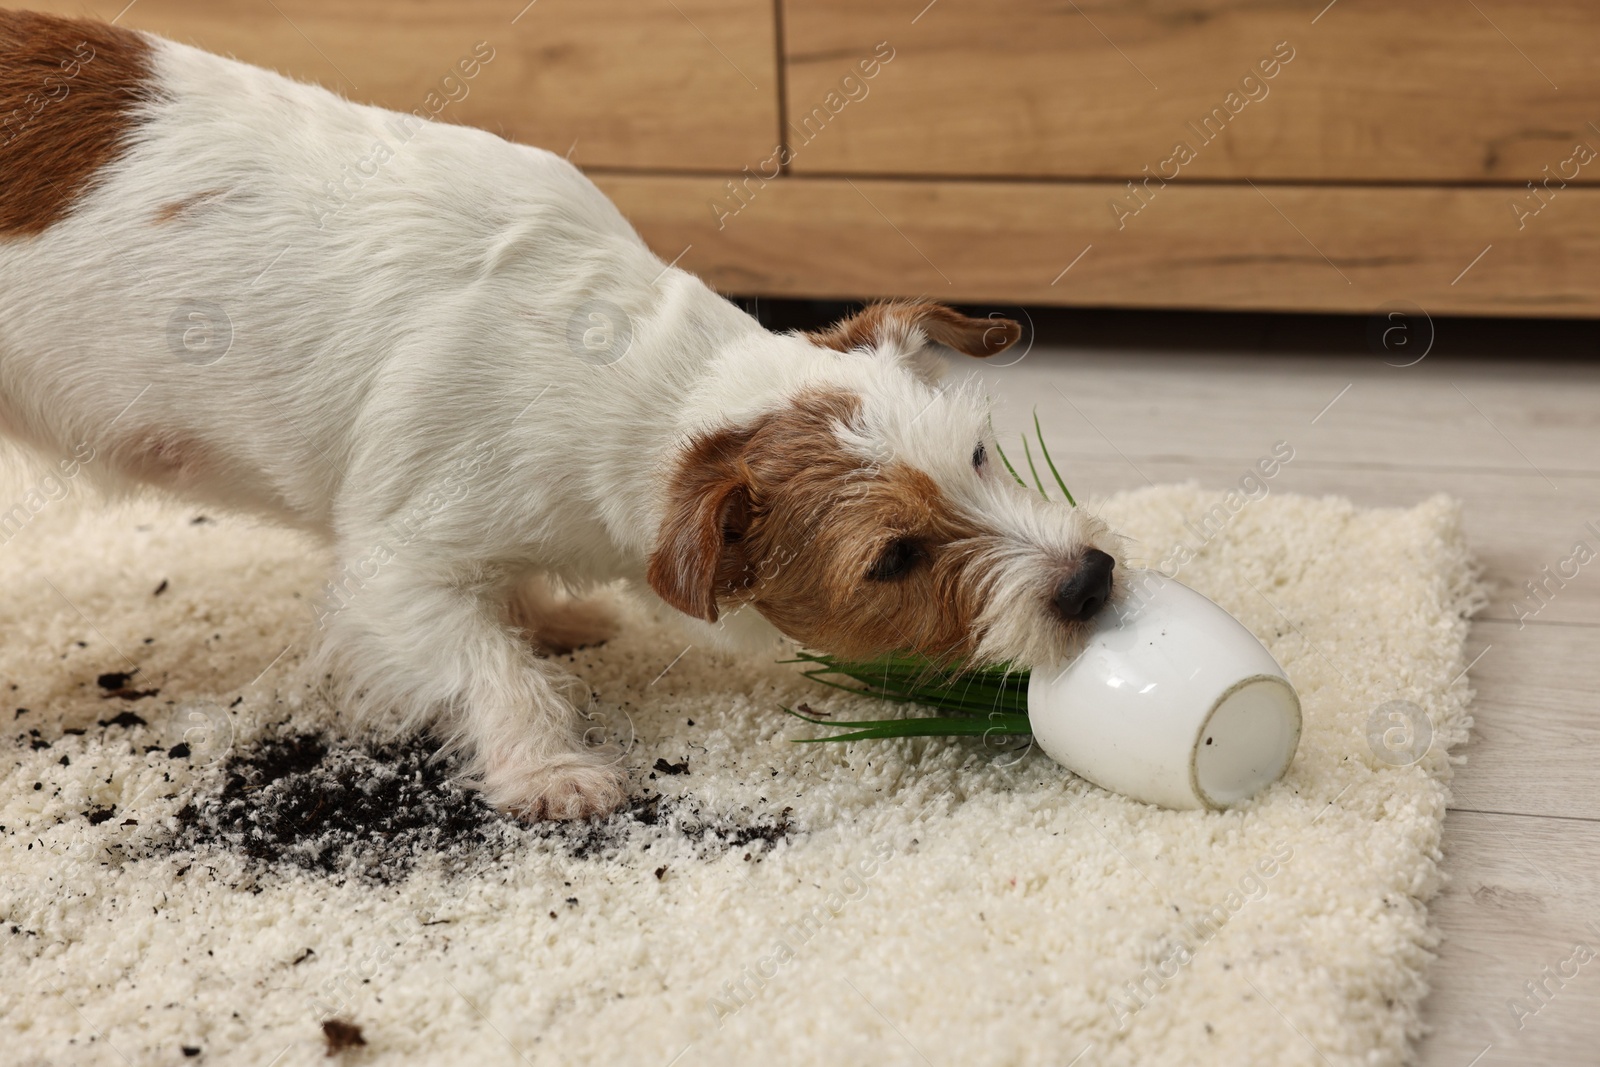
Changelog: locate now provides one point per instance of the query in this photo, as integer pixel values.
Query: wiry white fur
(401, 360)
(934, 427)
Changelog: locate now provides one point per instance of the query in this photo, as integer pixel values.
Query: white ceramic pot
(1172, 702)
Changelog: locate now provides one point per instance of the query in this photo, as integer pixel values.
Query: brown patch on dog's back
(69, 90)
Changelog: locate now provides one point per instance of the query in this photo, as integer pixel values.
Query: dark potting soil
(371, 811)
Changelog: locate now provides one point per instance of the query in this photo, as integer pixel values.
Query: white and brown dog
(191, 286)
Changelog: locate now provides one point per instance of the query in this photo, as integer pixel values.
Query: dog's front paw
(575, 786)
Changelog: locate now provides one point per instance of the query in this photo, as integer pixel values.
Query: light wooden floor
(1518, 441)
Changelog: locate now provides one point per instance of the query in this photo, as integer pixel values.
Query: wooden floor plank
(1523, 418)
(1515, 524)
(1523, 893)
(1120, 424)
(1536, 723)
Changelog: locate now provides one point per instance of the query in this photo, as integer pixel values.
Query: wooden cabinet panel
(685, 85)
(1391, 143)
(1425, 90)
(1272, 247)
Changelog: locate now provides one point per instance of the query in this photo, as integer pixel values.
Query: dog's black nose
(1086, 592)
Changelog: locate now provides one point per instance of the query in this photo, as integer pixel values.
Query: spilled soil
(371, 811)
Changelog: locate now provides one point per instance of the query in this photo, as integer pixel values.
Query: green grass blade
(983, 690)
(915, 674)
(857, 690)
(926, 726)
(813, 720)
(1009, 467)
(1043, 448)
(978, 695)
(946, 703)
(1032, 469)
(1002, 454)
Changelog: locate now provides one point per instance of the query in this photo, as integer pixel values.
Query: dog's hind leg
(435, 646)
(555, 622)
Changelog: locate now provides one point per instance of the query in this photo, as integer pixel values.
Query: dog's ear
(901, 320)
(699, 548)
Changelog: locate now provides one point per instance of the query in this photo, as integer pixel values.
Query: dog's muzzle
(1079, 597)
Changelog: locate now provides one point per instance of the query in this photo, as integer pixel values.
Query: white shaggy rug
(201, 864)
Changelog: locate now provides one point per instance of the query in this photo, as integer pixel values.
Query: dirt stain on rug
(371, 811)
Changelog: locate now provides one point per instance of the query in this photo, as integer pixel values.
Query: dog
(451, 357)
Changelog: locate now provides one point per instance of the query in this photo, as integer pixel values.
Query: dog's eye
(896, 561)
(979, 454)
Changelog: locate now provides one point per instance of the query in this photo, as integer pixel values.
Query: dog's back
(192, 248)
(221, 282)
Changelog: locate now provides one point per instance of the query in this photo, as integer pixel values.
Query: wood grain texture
(1352, 411)
(1520, 446)
(1535, 731)
(1293, 248)
(1435, 90)
(686, 85)
(1515, 528)
(1522, 893)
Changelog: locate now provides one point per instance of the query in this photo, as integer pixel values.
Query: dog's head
(870, 512)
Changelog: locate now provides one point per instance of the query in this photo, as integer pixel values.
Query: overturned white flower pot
(1172, 702)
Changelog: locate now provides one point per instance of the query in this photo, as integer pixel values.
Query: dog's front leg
(437, 648)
